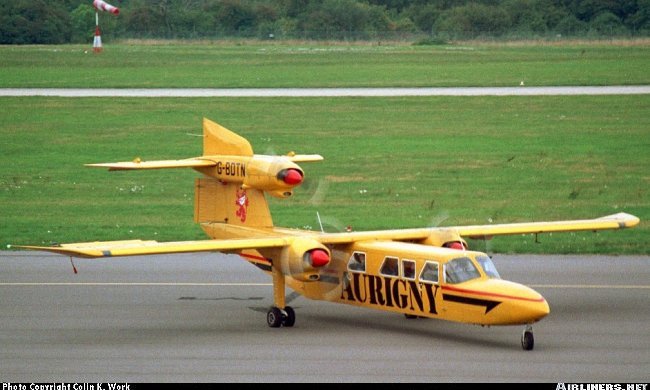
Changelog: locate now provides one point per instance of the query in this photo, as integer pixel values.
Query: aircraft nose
(518, 304)
(537, 310)
(532, 309)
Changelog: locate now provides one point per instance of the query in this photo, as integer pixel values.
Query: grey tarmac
(201, 318)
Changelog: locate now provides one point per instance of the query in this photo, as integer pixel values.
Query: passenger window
(408, 269)
(357, 262)
(429, 272)
(389, 268)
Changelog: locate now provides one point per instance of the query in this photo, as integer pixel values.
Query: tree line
(73, 21)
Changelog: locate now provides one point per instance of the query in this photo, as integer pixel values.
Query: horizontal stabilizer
(138, 164)
(304, 157)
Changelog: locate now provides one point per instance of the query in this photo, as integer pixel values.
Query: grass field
(267, 64)
(389, 163)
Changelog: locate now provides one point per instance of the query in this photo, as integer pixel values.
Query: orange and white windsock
(104, 6)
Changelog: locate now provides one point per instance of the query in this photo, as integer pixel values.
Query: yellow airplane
(421, 272)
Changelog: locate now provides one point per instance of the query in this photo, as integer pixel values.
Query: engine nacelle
(277, 176)
(445, 239)
(304, 258)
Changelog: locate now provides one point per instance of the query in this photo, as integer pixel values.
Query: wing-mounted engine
(445, 238)
(304, 258)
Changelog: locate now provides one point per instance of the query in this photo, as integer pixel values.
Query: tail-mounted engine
(277, 176)
(304, 259)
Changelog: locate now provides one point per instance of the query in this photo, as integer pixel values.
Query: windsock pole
(97, 42)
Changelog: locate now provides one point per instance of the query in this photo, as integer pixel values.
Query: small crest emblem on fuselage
(242, 204)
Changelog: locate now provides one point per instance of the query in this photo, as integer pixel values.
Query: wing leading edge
(140, 247)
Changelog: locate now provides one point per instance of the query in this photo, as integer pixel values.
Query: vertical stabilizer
(219, 140)
(227, 204)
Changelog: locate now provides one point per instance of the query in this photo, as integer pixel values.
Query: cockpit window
(429, 272)
(357, 262)
(389, 267)
(488, 267)
(460, 270)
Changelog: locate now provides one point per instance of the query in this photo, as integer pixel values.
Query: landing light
(290, 176)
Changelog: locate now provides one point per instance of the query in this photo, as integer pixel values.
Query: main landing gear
(527, 339)
(276, 317)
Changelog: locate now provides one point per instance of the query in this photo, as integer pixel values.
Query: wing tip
(62, 250)
(624, 220)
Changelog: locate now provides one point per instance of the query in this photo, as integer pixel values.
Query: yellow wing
(284, 238)
(610, 222)
(139, 247)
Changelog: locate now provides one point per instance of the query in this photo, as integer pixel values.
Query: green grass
(260, 64)
(389, 163)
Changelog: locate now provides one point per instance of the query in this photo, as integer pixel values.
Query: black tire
(274, 317)
(290, 318)
(527, 341)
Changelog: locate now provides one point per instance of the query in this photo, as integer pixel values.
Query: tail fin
(219, 140)
(217, 202)
(231, 196)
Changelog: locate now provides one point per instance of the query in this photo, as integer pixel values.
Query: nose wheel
(276, 317)
(527, 339)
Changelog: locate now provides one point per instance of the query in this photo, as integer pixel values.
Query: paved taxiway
(201, 318)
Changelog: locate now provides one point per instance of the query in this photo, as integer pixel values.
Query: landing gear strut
(277, 317)
(527, 339)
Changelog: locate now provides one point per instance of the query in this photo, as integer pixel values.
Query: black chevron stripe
(489, 305)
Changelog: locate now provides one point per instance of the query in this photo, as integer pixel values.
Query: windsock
(104, 6)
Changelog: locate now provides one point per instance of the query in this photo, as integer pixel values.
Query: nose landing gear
(527, 339)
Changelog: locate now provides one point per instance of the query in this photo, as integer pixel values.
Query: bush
(608, 24)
